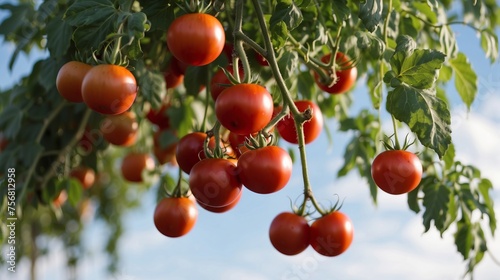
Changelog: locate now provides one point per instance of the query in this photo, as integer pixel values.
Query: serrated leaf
(159, 13)
(370, 43)
(287, 12)
(426, 115)
(58, 37)
(288, 63)
(485, 187)
(341, 11)
(436, 198)
(489, 43)
(420, 69)
(465, 79)
(49, 67)
(280, 35)
(151, 84)
(135, 28)
(463, 237)
(406, 45)
(370, 13)
(94, 21)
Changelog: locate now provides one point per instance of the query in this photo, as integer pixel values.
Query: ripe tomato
(3, 142)
(220, 81)
(346, 74)
(109, 89)
(120, 130)
(261, 60)
(133, 164)
(312, 128)
(60, 199)
(85, 175)
(289, 233)
(159, 117)
(396, 171)
(237, 143)
(213, 182)
(265, 170)
(196, 39)
(189, 150)
(175, 216)
(69, 80)
(331, 234)
(223, 208)
(244, 108)
(174, 74)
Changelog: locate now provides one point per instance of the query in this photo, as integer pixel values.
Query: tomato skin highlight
(289, 233)
(196, 39)
(133, 164)
(396, 171)
(332, 234)
(69, 80)
(120, 130)
(109, 89)
(244, 108)
(312, 128)
(265, 170)
(175, 216)
(85, 175)
(213, 182)
(346, 77)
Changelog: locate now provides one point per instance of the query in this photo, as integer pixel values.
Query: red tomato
(175, 216)
(223, 208)
(120, 130)
(213, 182)
(159, 117)
(265, 170)
(261, 60)
(109, 89)
(331, 234)
(396, 171)
(244, 108)
(60, 199)
(69, 80)
(173, 76)
(346, 74)
(85, 175)
(133, 164)
(237, 143)
(312, 128)
(196, 39)
(220, 82)
(289, 233)
(189, 150)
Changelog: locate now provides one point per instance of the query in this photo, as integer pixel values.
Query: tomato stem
(238, 28)
(397, 146)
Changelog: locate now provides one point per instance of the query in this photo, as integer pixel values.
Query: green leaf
(489, 43)
(94, 21)
(419, 69)
(135, 28)
(49, 67)
(485, 187)
(406, 45)
(280, 35)
(426, 115)
(288, 62)
(58, 37)
(448, 41)
(10, 121)
(286, 11)
(341, 11)
(194, 79)
(159, 13)
(75, 191)
(435, 201)
(29, 151)
(465, 79)
(449, 157)
(413, 200)
(151, 84)
(370, 43)
(370, 13)
(463, 237)
(452, 213)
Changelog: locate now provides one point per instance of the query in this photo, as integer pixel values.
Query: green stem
(178, 190)
(397, 146)
(207, 101)
(238, 29)
(38, 139)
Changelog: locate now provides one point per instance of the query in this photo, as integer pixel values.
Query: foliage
(406, 51)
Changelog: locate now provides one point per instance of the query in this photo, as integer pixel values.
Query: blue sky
(388, 243)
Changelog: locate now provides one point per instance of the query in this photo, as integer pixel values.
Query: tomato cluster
(329, 235)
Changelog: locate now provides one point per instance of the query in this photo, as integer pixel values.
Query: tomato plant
(289, 233)
(109, 89)
(265, 170)
(120, 130)
(214, 183)
(175, 216)
(134, 164)
(345, 74)
(244, 108)
(331, 234)
(196, 39)
(163, 61)
(312, 127)
(396, 171)
(70, 78)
